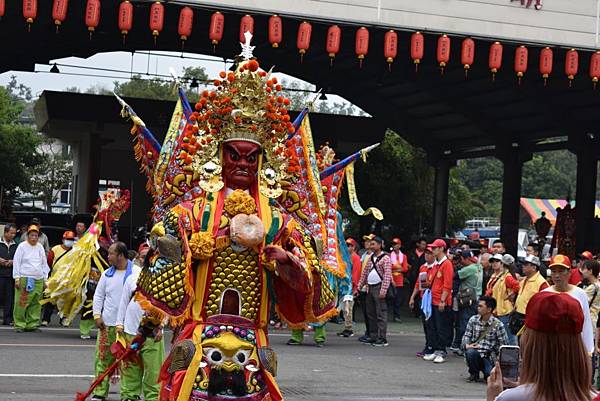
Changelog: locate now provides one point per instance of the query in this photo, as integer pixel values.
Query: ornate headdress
(245, 106)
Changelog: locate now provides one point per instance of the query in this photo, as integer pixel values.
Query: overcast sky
(140, 62)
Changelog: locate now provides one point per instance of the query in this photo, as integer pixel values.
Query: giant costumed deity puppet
(240, 220)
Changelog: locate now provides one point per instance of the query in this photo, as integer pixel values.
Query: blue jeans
(476, 363)
(464, 315)
(512, 339)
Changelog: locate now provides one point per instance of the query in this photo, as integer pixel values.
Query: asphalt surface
(55, 364)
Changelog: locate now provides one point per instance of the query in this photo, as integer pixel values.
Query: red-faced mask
(240, 164)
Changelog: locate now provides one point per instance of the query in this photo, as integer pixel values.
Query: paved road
(54, 364)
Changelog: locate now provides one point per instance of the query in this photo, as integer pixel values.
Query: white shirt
(587, 334)
(130, 312)
(520, 393)
(107, 297)
(30, 261)
(523, 392)
(373, 278)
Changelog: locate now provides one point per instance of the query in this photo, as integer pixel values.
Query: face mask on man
(68, 243)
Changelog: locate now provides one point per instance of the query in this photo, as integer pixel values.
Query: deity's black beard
(220, 381)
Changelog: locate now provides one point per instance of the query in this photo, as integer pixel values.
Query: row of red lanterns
(332, 43)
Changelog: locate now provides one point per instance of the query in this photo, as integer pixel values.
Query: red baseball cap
(552, 312)
(69, 235)
(351, 241)
(438, 243)
(397, 241)
(586, 255)
(560, 260)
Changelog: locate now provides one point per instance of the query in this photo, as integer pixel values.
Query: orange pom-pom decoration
(222, 74)
(278, 87)
(253, 65)
(188, 160)
(286, 102)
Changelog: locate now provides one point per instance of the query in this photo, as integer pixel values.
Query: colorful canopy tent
(535, 207)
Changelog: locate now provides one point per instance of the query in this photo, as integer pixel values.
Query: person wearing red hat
(55, 254)
(555, 365)
(560, 266)
(576, 277)
(399, 269)
(425, 276)
(348, 302)
(440, 322)
(30, 271)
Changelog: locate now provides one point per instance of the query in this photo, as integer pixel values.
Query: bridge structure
(450, 111)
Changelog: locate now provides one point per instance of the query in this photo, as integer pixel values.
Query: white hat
(534, 260)
(508, 259)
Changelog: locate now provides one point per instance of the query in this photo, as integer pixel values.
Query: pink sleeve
(387, 275)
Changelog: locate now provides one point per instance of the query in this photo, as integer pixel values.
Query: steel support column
(585, 196)
(440, 196)
(512, 159)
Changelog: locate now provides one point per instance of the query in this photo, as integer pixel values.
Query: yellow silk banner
(354, 197)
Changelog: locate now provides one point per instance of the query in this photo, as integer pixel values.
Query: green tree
(161, 89)
(18, 144)
(53, 173)
(398, 180)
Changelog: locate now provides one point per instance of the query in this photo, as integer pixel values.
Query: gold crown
(245, 106)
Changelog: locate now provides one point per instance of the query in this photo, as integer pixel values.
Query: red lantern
(30, 12)
(521, 59)
(390, 47)
(417, 47)
(217, 26)
(361, 45)
(125, 18)
(2, 8)
(157, 19)
(332, 45)
(92, 15)
(495, 58)
(275, 30)
(186, 23)
(246, 25)
(546, 58)
(595, 68)
(571, 65)
(467, 54)
(443, 51)
(303, 39)
(59, 12)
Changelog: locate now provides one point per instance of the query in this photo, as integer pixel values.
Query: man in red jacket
(348, 301)
(440, 283)
(399, 270)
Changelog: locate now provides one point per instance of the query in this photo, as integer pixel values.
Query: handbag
(516, 321)
(466, 297)
(391, 291)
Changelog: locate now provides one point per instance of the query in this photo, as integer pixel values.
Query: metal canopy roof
(446, 115)
(60, 113)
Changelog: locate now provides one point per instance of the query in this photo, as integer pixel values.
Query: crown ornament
(245, 106)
